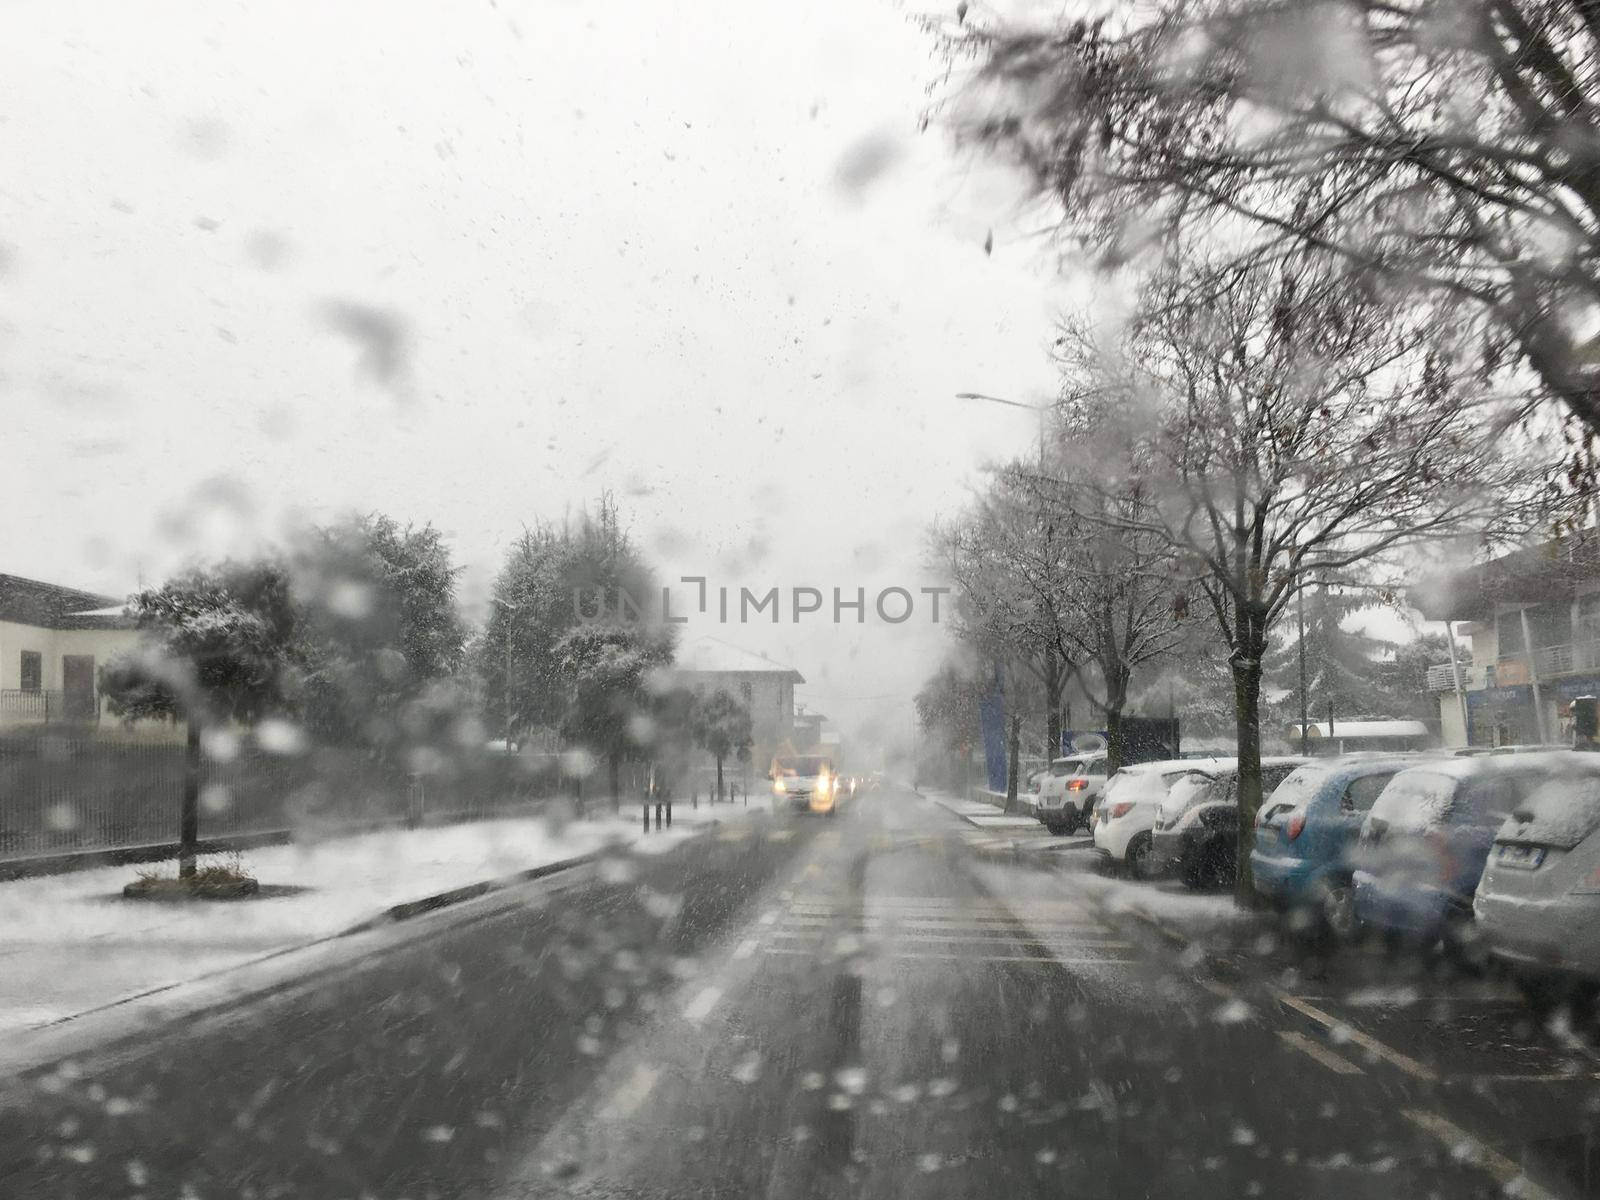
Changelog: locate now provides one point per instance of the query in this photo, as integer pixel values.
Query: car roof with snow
(1456, 767)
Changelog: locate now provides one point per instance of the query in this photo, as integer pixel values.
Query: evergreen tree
(1343, 666)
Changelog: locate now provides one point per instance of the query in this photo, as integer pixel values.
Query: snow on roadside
(1177, 905)
(344, 880)
(70, 944)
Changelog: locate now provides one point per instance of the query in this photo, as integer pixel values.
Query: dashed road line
(700, 1007)
(1365, 1040)
(625, 1101)
(1463, 1145)
(1045, 960)
(745, 948)
(1319, 1052)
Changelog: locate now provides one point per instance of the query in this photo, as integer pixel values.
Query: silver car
(1538, 903)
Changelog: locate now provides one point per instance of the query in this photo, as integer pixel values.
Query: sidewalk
(70, 944)
(982, 814)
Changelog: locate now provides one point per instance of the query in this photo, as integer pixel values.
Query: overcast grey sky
(474, 263)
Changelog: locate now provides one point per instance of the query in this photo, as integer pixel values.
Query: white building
(53, 640)
(764, 687)
(1533, 617)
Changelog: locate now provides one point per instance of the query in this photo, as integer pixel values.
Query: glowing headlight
(824, 784)
(777, 786)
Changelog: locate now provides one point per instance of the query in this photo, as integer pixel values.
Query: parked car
(1538, 903)
(1424, 843)
(1067, 793)
(1197, 825)
(1305, 832)
(1126, 814)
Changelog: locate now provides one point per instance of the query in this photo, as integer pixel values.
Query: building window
(1508, 633)
(32, 671)
(1588, 623)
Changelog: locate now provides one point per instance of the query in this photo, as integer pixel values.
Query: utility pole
(511, 611)
(1300, 607)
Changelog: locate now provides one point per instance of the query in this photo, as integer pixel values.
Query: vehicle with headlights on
(805, 783)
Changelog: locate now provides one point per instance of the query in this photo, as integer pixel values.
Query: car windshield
(1190, 790)
(1559, 812)
(1300, 786)
(1416, 799)
(647, 601)
(802, 766)
(1073, 766)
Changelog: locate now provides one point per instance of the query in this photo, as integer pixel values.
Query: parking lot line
(1366, 1041)
(625, 1101)
(700, 1007)
(1319, 1052)
(1461, 1144)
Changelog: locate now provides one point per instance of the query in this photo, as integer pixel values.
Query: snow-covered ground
(981, 813)
(70, 943)
(1189, 912)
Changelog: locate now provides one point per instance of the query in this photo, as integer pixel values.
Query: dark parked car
(1197, 832)
(1424, 844)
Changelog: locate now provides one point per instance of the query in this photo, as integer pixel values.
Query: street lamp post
(511, 610)
(1042, 408)
(1300, 611)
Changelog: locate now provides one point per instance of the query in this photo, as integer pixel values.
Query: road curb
(967, 818)
(408, 909)
(66, 1032)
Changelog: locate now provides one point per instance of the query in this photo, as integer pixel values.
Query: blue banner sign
(992, 724)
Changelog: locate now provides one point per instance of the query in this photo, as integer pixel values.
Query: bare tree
(1279, 430)
(1121, 605)
(1449, 149)
(1009, 560)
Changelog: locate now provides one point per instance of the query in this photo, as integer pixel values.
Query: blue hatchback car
(1423, 845)
(1306, 829)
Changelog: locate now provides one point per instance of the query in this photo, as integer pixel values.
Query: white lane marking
(780, 835)
(1220, 990)
(700, 1007)
(1365, 1040)
(1042, 960)
(625, 1101)
(936, 924)
(976, 938)
(745, 948)
(769, 918)
(1319, 1052)
(1463, 1145)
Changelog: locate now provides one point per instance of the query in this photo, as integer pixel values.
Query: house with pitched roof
(53, 641)
(764, 687)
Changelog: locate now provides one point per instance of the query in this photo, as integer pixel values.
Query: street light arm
(1001, 400)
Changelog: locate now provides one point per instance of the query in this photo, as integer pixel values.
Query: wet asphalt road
(870, 1005)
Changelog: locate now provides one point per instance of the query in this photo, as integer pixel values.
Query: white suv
(1127, 812)
(1068, 791)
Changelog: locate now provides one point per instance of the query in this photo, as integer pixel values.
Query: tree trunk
(719, 778)
(1013, 753)
(1116, 701)
(1247, 713)
(189, 813)
(1052, 706)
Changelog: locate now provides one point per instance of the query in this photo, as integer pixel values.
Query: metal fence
(63, 793)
